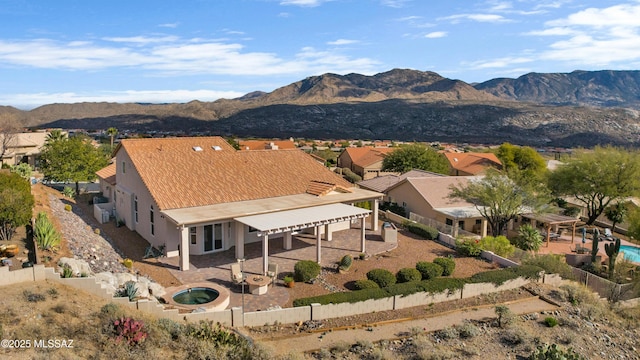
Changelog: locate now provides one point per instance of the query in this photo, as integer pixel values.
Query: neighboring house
(266, 144)
(107, 179)
(364, 161)
(199, 196)
(471, 164)
(24, 147)
(382, 183)
(429, 197)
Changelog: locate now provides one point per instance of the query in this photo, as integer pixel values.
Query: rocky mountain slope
(579, 88)
(535, 109)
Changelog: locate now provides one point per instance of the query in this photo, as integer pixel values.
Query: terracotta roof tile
(365, 156)
(108, 174)
(320, 188)
(473, 163)
(179, 177)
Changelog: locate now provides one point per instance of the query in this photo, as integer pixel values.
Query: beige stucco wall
(406, 195)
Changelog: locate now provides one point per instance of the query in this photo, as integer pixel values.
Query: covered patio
(216, 267)
(551, 222)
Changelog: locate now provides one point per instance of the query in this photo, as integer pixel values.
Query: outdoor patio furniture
(607, 235)
(236, 275)
(272, 272)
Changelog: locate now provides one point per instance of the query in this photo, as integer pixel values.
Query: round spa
(209, 296)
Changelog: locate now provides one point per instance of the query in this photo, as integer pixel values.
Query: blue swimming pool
(631, 253)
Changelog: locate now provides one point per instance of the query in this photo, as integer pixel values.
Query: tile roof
(108, 174)
(177, 176)
(265, 144)
(473, 163)
(365, 156)
(320, 188)
(435, 190)
(382, 183)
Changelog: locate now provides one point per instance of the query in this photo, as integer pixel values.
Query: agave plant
(45, 234)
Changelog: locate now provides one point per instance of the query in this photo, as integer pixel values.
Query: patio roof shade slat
(292, 220)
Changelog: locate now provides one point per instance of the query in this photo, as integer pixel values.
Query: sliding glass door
(212, 237)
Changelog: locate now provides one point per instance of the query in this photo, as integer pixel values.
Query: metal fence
(605, 288)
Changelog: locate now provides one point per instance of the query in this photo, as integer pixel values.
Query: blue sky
(70, 51)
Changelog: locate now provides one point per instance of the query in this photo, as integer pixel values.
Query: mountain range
(581, 108)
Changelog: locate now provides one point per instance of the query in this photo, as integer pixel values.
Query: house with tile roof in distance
(266, 144)
(22, 147)
(198, 195)
(428, 197)
(364, 161)
(470, 164)
(382, 183)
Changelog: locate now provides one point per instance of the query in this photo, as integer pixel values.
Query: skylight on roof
(197, 148)
(216, 148)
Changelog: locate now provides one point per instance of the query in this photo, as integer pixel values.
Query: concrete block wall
(283, 316)
(223, 317)
(504, 262)
(471, 290)
(347, 309)
(419, 299)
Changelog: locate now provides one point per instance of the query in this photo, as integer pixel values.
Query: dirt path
(392, 330)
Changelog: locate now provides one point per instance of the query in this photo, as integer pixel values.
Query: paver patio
(216, 267)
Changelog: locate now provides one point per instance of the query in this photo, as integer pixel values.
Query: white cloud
(503, 62)
(170, 25)
(394, 3)
(28, 101)
(599, 37)
(436, 34)
(173, 57)
(304, 3)
(342, 42)
(142, 39)
(490, 18)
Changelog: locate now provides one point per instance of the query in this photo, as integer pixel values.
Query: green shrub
(498, 245)
(468, 247)
(345, 262)
(45, 234)
(408, 274)
(500, 276)
(551, 263)
(393, 207)
(429, 270)
(366, 284)
(505, 316)
(544, 352)
(343, 297)
(67, 207)
(427, 232)
(130, 290)
(67, 272)
(448, 265)
(350, 175)
(550, 321)
(33, 297)
(306, 270)
(68, 192)
(174, 329)
(433, 286)
(382, 277)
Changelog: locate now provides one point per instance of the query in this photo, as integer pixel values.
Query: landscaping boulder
(78, 267)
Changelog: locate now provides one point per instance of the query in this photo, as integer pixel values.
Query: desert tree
(415, 156)
(498, 198)
(16, 203)
(598, 178)
(616, 214)
(72, 160)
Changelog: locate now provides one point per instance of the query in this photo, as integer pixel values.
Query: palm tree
(529, 238)
(55, 135)
(112, 132)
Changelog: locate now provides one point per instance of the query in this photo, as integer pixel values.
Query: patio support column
(362, 237)
(374, 215)
(265, 254)
(483, 232)
(328, 235)
(573, 231)
(239, 233)
(318, 245)
(184, 248)
(287, 240)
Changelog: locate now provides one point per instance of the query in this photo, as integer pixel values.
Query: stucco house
(471, 164)
(198, 195)
(428, 197)
(22, 147)
(266, 144)
(384, 182)
(364, 161)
